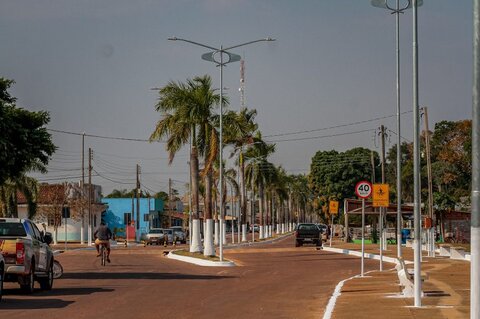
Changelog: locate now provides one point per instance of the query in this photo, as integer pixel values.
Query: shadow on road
(138, 275)
(57, 292)
(31, 303)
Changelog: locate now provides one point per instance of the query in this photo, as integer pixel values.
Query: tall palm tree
(241, 128)
(187, 110)
(258, 171)
(279, 193)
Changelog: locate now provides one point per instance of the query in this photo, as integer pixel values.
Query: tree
(187, 114)
(259, 171)
(25, 144)
(333, 174)
(241, 127)
(123, 193)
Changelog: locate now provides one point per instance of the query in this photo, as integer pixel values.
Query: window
(12, 229)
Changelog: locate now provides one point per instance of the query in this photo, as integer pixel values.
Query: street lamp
(416, 142)
(217, 56)
(384, 4)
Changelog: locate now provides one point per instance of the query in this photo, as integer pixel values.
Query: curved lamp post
(221, 57)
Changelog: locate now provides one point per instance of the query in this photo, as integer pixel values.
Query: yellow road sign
(381, 195)
(333, 207)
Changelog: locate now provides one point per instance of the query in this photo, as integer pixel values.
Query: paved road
(272, 281)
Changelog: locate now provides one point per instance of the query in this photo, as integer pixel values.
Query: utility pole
(169, 200)
(90, 155)
(431, 230)
(83, 159)
(382, 237)
(82, 187)
(475, 225)
(372, 159)
(138, 203)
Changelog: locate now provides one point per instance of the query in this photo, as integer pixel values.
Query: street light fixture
(217, 57)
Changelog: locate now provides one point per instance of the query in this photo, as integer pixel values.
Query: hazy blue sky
(92, 65)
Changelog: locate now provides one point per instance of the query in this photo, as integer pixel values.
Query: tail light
(20, 258)
(296, 233)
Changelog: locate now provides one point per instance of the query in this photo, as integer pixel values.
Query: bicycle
(103, 254)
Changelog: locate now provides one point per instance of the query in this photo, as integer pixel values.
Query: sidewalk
(447, 289)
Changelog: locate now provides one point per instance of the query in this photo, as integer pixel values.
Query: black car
(307, 233)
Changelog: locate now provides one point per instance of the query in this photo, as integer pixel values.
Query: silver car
(179, 234)
(155, 236)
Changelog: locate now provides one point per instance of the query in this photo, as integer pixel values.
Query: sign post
(65, 215)
(381, 197)
(363, 190)
(333, 208)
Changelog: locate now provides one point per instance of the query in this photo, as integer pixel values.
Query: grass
(198, 255)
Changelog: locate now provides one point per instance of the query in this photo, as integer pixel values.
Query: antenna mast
(242, 83)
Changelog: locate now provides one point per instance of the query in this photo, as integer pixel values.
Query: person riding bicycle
(102, 235)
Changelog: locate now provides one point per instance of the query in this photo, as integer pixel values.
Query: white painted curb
(201, 262)
(359, 254)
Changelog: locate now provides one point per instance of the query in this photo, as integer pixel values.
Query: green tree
(259, 171)
(241, 127)
(186, 110)
(333, 174)
(25, 144)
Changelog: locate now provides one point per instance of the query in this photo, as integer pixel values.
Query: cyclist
(102, 235)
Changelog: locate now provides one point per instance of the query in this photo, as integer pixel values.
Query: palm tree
(187, 115)
(8, 196)
(241, 127)
(279, 195)
(258, 171)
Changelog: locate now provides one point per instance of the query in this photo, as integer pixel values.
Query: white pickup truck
(27, 254)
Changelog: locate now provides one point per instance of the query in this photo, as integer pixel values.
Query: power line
(104, 137)
(111, 180)
(337, 126)
(318, 137)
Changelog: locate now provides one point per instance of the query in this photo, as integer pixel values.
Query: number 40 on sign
(363, 189)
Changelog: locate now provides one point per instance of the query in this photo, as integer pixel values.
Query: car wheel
(57, 269)
(46, 283)
(28, 285)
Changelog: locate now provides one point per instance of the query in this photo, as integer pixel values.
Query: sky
(93, 64)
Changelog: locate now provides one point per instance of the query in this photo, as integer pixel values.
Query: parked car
(27, 254)
(324, 230)
(154, 236)
(169, 234)
(256, 228)
(307, 233)
(179, 234)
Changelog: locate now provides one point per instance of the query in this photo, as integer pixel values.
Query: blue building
(119, 210)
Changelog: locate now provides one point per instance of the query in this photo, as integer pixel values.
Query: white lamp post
(217, 57)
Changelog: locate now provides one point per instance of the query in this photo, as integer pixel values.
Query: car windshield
(12, 229)
(307, 227)
(155, 231)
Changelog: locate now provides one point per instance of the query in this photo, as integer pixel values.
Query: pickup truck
(27, 254)
(155, 236)
(307, 232)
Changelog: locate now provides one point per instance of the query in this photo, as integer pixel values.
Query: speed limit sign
(363, 189)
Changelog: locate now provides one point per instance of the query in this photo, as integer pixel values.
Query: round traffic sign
(363, 189)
